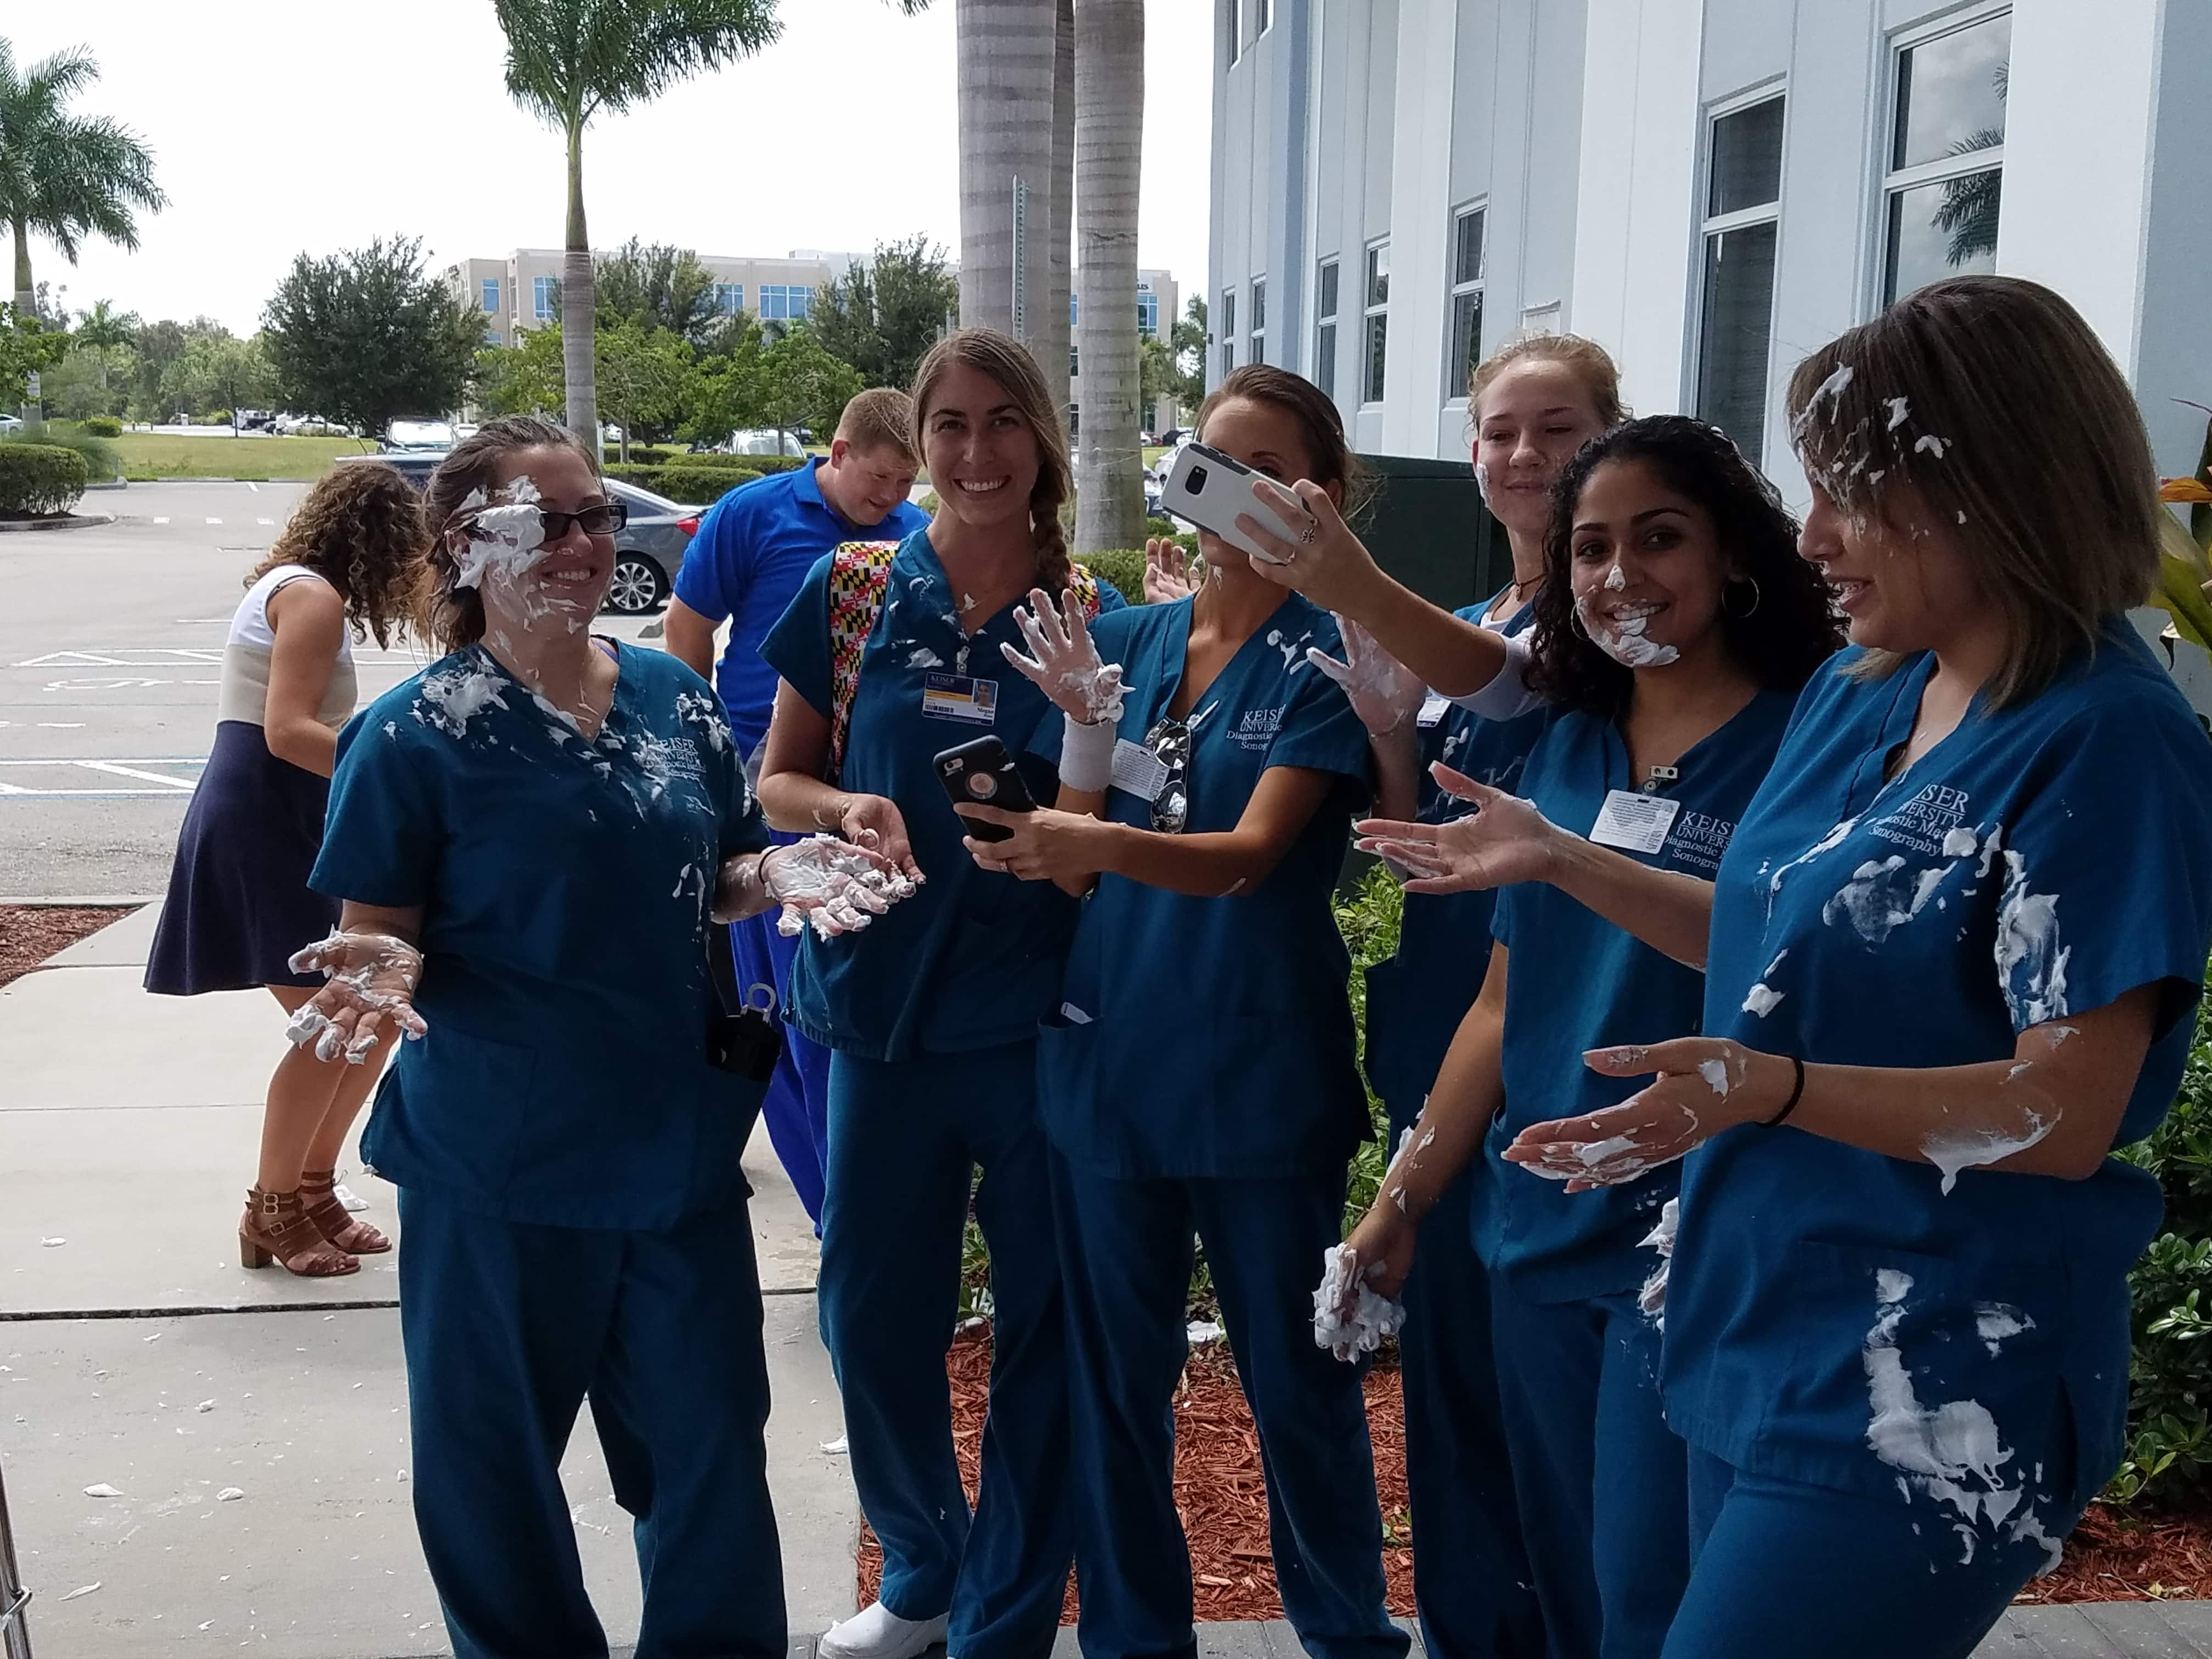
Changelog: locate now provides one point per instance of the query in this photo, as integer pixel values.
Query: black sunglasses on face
(604, 519)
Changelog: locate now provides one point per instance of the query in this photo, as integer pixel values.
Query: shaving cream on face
(1623, 640)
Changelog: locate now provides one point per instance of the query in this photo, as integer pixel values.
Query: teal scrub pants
(1781, 1567)
(1126, 1252)
(508, 1327)
(1599, 1475)
(905, 1140)
(1471, 1578)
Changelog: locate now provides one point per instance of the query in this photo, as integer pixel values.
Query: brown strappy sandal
(317, 1191)
(277, 1227)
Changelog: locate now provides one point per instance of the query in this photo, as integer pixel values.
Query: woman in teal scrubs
(1196, 1068)
(530, 838)
(1954, 946)
(1674, 629)
(931, 1015)
(1534, 404)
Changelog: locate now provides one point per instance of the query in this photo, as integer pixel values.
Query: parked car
(764, 440)
(9, 423)
(411, 435)
(648, 550)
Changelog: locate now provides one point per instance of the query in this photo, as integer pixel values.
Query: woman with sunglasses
(530, 839)
(1208, 780)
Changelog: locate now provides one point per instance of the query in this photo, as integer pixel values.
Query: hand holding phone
(982, 773)
(1210, 489)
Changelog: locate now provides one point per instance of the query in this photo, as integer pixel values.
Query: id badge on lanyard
(959, 697)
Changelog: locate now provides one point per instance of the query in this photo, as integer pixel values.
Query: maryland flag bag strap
(860, 574)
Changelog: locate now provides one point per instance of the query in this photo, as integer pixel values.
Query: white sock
(877, 1633)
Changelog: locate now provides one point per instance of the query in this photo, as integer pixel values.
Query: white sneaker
(877, 1633)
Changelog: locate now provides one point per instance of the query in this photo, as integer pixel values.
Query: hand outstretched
(372, 980)
(1065, 667)
(1504, 840)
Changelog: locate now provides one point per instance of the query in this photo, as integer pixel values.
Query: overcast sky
(284, 126)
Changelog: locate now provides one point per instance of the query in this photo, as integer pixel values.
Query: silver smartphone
(1209, 490)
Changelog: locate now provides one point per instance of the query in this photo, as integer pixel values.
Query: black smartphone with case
(981, 772)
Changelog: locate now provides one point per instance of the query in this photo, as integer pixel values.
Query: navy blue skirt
(239, 901)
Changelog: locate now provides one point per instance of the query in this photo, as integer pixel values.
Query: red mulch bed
(2112, 1556)
(29, 934)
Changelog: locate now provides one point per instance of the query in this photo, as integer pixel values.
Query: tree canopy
(365, 336)
(883, 317)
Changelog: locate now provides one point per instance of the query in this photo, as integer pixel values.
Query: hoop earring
(1575, 623)
(1756, 597)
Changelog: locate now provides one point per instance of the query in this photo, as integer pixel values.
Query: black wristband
(1797, 1094)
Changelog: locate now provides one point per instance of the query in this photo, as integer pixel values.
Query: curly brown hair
(449, 616)
(1790, 630)
(362, 530)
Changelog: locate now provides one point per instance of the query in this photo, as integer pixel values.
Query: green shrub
(41, 479)
(644, 475)
(221, 418)
(103, 425)
(929, 504)
(102, 463)
(2169, 1445)
(1124, 566)
(763, 465)
(702, 486)
(652, 454)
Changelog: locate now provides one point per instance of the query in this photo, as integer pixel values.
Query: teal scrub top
(2041, 860)
(972, 960)
(1418, 995)
(1213, 1037)
(1575, 981)
(565, 886)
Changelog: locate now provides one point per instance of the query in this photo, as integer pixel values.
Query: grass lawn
(150, 455)
(1152, 453)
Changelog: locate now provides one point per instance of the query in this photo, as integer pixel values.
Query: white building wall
(1420, 225)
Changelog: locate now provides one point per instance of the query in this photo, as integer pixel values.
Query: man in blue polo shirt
(752, 551)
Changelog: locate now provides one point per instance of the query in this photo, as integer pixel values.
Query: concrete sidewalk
(136, 1354)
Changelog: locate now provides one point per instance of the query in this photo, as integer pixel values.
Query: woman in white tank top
(239, 904)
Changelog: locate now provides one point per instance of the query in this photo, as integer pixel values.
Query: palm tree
(104, 325)
(1110, 124)
(570, 60)
(65, 176)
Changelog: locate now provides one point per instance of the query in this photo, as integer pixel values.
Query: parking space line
(171, 789)
(116, 769)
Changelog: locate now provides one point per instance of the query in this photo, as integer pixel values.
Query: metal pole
(14, 1632)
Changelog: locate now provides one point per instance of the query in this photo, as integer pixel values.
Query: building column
(1636, 219)
(1420, 227)
(2110, 211)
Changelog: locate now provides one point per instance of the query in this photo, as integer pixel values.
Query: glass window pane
(1378, 330)
(1747, 159)
(1228, 361)
(1327, 306)
(1378, 275)
(1259, 305)
(1944, 229)
(1228, 312)
(1738, 326)
(1259, 348)
(1325, 360)
(1951, 93)
(490, 294)
(1465, 350)
(1467, 248)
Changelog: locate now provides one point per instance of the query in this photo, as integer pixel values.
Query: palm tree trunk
(1110, 126)
(578, 306)
(1006, 67)
(26, 304)
(1059, 229)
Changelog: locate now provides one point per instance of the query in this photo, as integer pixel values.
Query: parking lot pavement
(111, 642)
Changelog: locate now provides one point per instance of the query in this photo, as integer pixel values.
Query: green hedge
(103, 425)
(41, 479)
(702, 486)
(1124, 566)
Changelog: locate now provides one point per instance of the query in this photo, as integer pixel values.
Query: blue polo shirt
(748, 563)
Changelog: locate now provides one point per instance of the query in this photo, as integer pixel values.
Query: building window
(542, 290)
(492, 336)
(1074, 419)
(1940, 197)
(1235, 29)
(1148, 417)
(1463, 350)
(1148, 311)
(1743, 205)
(1378, 309)
(783, 302)
(1325, 328)
(1258, 328)
(1074, 363)
(491, 292)
(729, 298)
(1266, 14)
(1228, 334)
(1074, 308)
